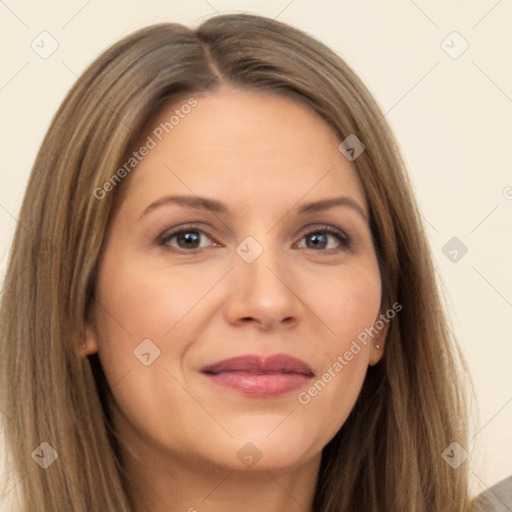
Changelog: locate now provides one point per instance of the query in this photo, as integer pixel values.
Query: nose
(261, 293)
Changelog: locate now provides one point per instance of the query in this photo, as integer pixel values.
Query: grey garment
(497, 498)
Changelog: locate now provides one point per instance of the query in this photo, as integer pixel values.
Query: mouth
(258, 375)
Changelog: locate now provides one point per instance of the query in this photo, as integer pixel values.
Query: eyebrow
(212, 205)
(326, 204)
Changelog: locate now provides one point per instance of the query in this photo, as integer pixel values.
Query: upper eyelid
(187, 226)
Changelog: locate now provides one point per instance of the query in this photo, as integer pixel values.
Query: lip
(259, 375)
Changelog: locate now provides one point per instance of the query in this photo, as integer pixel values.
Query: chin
(263, 452)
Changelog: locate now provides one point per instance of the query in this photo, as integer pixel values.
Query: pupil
(317, 240)
(189, 239)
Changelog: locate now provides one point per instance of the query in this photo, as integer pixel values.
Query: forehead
(242, 145)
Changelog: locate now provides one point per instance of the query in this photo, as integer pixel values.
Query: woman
(220, 295)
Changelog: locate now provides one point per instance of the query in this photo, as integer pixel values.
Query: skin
(263, 156)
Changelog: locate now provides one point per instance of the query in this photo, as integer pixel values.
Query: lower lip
(260, 384)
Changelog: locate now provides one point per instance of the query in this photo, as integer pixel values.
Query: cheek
(136, 303)
(143, 326)
(330, 398)
(347, 302)
(147, 318)
(129, 312)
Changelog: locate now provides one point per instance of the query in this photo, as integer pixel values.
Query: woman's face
(236, 275)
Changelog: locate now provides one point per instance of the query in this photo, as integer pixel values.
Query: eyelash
(343, 239)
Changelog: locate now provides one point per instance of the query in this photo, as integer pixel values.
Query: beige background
(452, 117)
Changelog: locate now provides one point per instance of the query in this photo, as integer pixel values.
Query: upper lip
(260, 364)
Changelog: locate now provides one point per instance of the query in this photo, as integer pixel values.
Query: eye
(186, 239)
(324, 238)
(190, 239)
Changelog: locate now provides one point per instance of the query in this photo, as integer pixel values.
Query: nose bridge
(260, 286)
(257, 264)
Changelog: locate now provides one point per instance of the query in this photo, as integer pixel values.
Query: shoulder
(497, 498)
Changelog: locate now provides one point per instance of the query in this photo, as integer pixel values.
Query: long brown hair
(387, 457)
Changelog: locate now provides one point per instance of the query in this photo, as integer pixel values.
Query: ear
(378, 343)
(89, 344)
